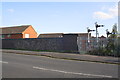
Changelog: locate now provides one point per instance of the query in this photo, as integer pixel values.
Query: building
(102, 42)
(51, 35)
(57, 35)
(17, 32)
(80, 39)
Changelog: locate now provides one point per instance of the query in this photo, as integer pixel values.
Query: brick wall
(32, 33)
(12, 36)
(33, 44)
(68, 43)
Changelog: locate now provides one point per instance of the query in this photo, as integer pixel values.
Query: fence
(104, 46)
(68, 43)
(65, 44)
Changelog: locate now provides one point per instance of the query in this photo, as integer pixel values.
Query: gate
(82, 44)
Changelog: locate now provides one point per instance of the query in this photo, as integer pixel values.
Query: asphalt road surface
(29, 66)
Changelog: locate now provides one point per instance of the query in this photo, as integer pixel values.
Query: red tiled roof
(14, 29)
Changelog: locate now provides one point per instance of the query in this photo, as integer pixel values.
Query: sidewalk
(80, 57)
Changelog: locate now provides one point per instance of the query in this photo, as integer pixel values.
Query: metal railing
(104, 46)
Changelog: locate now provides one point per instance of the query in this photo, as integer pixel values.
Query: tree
(111, 46)
(114, 32)
(112, 42)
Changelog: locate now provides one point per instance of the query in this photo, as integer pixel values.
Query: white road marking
(3, 62)
(26, 55)
(72, 72)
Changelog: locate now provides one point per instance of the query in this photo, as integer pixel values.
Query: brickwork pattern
(64, 44)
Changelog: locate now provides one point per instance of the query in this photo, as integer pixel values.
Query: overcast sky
(63, 17)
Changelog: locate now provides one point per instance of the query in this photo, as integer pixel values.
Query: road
(29, 66)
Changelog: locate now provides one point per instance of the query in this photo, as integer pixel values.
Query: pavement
(29, 66)
(68, 56)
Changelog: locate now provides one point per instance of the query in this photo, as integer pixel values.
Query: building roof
(64, 33)
(51, 34)
(14, 29)
(48, 35)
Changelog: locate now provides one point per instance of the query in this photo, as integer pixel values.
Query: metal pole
(88, 35)
(96, 33)
(96, 25)
(88, 39)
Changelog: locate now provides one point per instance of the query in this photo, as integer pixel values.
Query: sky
(60, 17)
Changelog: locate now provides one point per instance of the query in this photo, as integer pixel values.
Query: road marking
(26, 55)
(72, 72)
(3, 62)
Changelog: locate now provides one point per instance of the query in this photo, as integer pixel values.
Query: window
(0, 36)
(3, 36)
(60, 36)
(27, 35)
(8, 35)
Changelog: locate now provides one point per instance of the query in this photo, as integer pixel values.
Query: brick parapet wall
(65, 44)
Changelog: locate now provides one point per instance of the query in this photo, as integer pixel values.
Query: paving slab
(72, 56)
